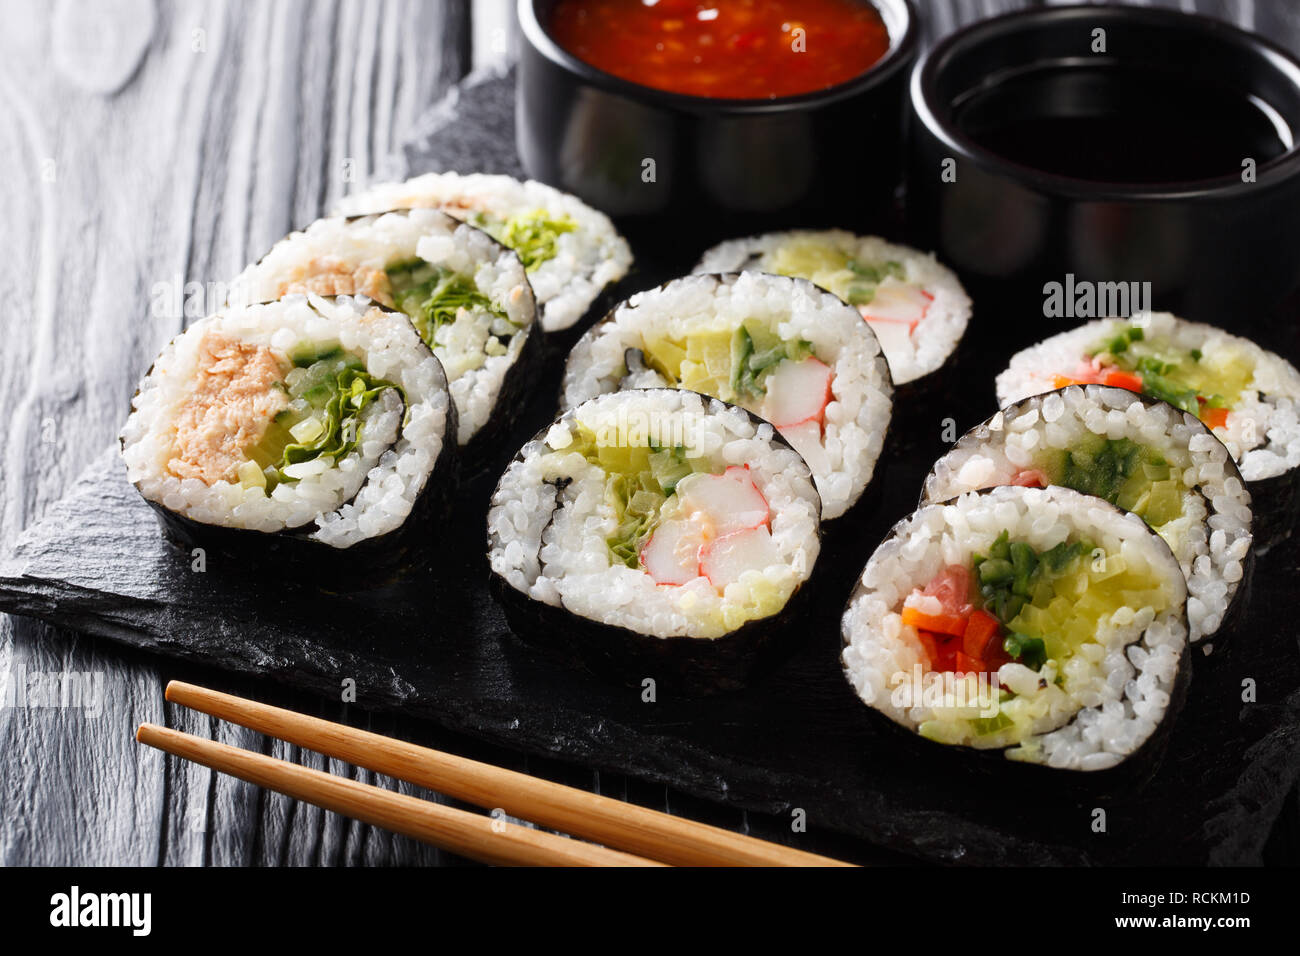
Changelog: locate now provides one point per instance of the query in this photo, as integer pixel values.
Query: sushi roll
(1144, 455)
(1039, 625)
(466, 295)
(917, 307)
(1249, 397)
(656, 533)
(571, 251)
(782, 348)
(306, 426)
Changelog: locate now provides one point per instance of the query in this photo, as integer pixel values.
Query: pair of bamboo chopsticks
(642, 837)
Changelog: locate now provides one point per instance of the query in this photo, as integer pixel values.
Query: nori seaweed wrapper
(1275, 502)
(483, 450)
(689, 666)
(561, 341)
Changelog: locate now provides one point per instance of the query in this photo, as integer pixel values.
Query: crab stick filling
(718, 528)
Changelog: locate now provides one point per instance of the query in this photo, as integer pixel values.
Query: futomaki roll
(571, 251)
(1249, 397)
(660, 534)
(1144, 455)
(917, 307)
(466, 295)
(782, 348)
(1040, 624)
(306, 425)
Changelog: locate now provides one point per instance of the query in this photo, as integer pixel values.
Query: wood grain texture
(142, 153)
(151, 142)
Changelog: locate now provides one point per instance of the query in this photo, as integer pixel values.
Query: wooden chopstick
(638, 830)
(471, 835)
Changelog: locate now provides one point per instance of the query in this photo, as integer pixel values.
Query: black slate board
(436, 646)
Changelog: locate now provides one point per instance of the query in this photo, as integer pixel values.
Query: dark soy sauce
(1119, 124)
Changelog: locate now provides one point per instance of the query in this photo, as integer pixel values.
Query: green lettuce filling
(532, 235)
(433, 296)
(636, 500)
(328, 390)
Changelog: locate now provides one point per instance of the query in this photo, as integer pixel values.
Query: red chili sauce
(727, 49)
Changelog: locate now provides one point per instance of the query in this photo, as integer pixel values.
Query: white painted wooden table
(147, 144)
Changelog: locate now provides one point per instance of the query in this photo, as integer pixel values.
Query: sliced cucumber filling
(1131, 476)
(1052, 606)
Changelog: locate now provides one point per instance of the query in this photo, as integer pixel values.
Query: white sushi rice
(551, 544)
(857, 417)
(936, 336)
(1263, 428)
(348, 256)
(1211, 540)
(365, 494)
(586, 259)
(1121, 685)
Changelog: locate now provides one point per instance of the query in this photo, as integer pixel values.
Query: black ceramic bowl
(721, 168)
(1127, 165)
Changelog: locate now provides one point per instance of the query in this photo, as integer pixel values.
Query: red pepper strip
(946, 650)
(951, 624)
(940, 649)
(981, 630)
(1214, 417)
(1122, 379)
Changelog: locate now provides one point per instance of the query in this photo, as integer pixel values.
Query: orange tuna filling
(231, 403)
